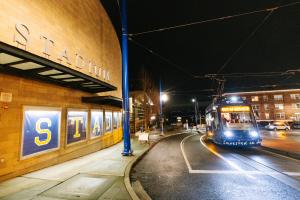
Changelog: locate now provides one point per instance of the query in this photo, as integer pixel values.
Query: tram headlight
(253, 133)
(228, 134)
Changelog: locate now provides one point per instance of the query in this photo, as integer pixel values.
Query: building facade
(273, 104)
(60, 83)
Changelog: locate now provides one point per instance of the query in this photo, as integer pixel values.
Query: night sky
(264, 41)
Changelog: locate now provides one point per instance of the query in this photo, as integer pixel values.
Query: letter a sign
(41, 130)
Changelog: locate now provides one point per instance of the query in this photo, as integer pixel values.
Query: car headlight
(253, 133)
(228, 134)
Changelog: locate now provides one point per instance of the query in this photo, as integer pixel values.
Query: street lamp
(163, 98)
(194, 100)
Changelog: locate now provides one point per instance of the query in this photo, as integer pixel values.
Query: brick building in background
(273, 104)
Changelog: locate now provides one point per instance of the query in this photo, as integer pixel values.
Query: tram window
(238, 120)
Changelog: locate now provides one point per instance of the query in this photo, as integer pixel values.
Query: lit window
(279, 115)
(278, 97)
(265, 98)
(296, 105)
(267, 115)
(244, 98)
(295, 96)
(254, 98)
(255, 107)
(279, 106)
(266, 106)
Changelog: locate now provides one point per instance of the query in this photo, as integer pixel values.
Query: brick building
(273, 104)
(60, 83)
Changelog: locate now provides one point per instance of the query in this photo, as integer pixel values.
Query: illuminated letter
(64, 54)
(38, 129)
(46, 46)
(21, 36)
(107, 76)
(79, 62)
(76, 120)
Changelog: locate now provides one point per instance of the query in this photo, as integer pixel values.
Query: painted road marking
(236, 172)
(183, 153)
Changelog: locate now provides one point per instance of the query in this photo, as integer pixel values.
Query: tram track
(284, 177)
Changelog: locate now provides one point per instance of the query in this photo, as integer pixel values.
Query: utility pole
(161, 111)
(125, 84)
(196, 113)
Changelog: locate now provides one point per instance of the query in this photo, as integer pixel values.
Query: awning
(22, 63)
(103, 100)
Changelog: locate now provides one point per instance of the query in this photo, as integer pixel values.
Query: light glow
(164, 97)
(235, 109)
(228, 134)
(253, 133)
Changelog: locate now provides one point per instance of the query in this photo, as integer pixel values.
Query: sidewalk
(99, 175)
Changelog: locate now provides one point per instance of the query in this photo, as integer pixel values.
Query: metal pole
(161, 111)
(196, 118)
(125, 85)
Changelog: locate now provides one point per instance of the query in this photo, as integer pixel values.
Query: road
(187, 167)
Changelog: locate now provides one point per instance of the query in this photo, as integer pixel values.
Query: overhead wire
(211, 20)
(161, 57)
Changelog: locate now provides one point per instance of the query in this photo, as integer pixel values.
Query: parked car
(278, 126)
(296, 125)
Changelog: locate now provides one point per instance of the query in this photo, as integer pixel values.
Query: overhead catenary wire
(212, 20)
(162, 57)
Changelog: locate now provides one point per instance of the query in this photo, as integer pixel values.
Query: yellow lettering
(76, 120)
(96, 126)
(38, 129)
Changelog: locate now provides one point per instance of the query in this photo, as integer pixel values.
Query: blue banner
(115, 121)
(108, 121)
(96, 123)
(41, 131)
(76, 126)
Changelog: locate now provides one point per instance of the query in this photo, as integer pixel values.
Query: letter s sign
(41, 130)
(38, 129)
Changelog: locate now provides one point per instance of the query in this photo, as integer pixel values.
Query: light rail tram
(230, 121)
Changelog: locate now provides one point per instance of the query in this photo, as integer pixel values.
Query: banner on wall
(115, 120)
(41, 130)
(120, 119)
(76, 126)
(108, 121)
(96, 123)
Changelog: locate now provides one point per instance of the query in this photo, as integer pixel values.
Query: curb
(127, 183)
(281, 152)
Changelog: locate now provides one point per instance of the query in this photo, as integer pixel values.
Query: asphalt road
(187, 167)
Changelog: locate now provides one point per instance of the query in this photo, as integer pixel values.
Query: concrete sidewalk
(99, 175)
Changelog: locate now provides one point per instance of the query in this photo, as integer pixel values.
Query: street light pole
(125, 85)
(195, 105)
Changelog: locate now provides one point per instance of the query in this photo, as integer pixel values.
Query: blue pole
(125, 85)
(161, 107)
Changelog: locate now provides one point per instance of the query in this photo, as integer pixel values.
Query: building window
(279, 115)
(266, 106)
(254, 98)
(265, 98)
(255, 107)
(244, 98)
(295, 96)
(278, 97)
(279, 106)
(267, 115)
(296, 105)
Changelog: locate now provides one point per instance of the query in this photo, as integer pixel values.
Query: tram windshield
(237, 120)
